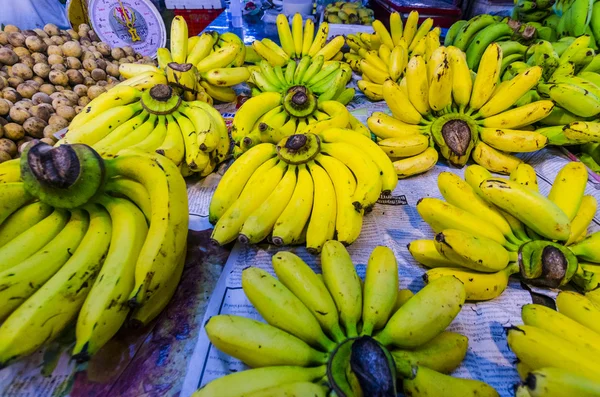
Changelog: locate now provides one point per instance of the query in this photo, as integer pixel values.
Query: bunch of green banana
(330, 333)
(558, 350)
(191, 134)
(353, 13)
(384, 53)
(201, 67)
(327, 80)
(297, 41)
(310, 187)
(437, 103)
(535, 11)
(574, 18)
(475, 35)
(84, 240)
(489, 228)
(269, 117)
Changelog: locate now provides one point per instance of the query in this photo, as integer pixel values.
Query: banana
(24, 279)
(494, 160)
(292, 389)
(172, 146)
(105, 308)
(285, 35)
(242, 383)
(403, 296)
(51, 308)
(404, 147)
(470, 29)
(388, 175)
(417, 164)
(179, 39)
(307, 40)
(121, 132)
(483, 39)
(581, 221)
(478, 286)
(22, 220)
(143, 81)
(247, 116)
(282, 309)
(163, 57)
(453, 32)
(32, 240)
(508, 140)
(411, 26)
(488, 75)
(440, 88)
(555, 381)
(154, 139)
(260, 222)
(380, 289)
(276, 57)
(369, 183)
(575, 99)
(374, 74)
(132, 190)
(206, 126)
(226, 77)
(426, 253)
(425, 315)
(385, 126)
(306, 285)
(400, 104)
(321, 226)
(343, 283)
(418, 84)
(511, 92)
(319, 40)
(218, 59)
(398, 62)
(569, 187)
(473, 252)
(539, 349)
(201, 50)
(371, 90)
(579, 308)
(421, 32)
(10, 171)
(534, 210)
(441, 215)
(128, 70)
(257, 190)
(427, 382)
(380, 29)
(134, 137)
(444, 353)
(560, 325)
(525, 175)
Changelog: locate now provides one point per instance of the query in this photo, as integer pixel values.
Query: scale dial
(135, 23)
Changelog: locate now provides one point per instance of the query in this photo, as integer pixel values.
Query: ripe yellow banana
(179, 39)
(373, 91)
(534, 210)
(404, 147)
(400, 104)
(581, 222)
(417, 164)
(282, 309)
(478, 286)
(297, 34)
(569, 187)
(555, 381)
(440, 87)
(380, 289)
(308, 36)
(203, 47)
(247, 116)
(426, 253)
(410, 28)
(513, 140)
(494, 160)
(579, 308)
(462, 84)
(425, 315)
(310, 289)
(22, 220)
(342, 281)
(383, 33)
(321, 226)
(588, 249)
(427, 382)
(521, 116)
(488, 75)
(417, 83)
(285, 35)
(385, 126)
(525, 175)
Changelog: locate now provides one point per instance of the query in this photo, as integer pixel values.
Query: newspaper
(394, 222)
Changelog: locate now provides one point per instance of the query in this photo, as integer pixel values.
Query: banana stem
(56, 167)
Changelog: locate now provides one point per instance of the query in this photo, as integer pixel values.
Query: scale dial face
(135, 23)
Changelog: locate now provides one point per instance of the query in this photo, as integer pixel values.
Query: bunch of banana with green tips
(438, 104)
(84, 240)
(353, 13)
(308, 188)
(489, 228)
(475, 35)
(297, 41)
(327, 80)
(201, 67)
(327, 333)
(558, 349)
(271, 116)
(382, 42)
(191, 134)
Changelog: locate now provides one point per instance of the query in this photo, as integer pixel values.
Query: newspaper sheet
(394, 222)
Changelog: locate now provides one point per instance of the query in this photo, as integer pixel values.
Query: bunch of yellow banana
(308, 188)
(412, 39)
(201, 67)
(191, 134)
(321, 328)
(437, 103)
(558, 350)
(326, 80)
(271, 116)
(348, 13)
(299, 40)
(489, 228)
(86, 239)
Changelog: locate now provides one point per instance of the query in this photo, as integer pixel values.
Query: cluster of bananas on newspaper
(558, 350)
(86, 239)
(438, 103)
(489, 228)
(329, 332)
(326, 80)
(202, 67)
(348, 13)
(308, 188)
(191, 134)
(299, 40)
(271, 116)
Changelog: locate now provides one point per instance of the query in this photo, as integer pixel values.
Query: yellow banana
(510, 93)
(321, 226)
(371, 90)
(427, 382)
(417, 83)
(128, 70)
(404, 146)
(426, 253)
(179, 39)
(569, 187)
(22, 220)
(588, 249)
(420, 33)
(440, 88)
(513, 140)
(488, 75)
(494, 160)
(462, 84)
(555, 381)
(585, 215)
(525, 175)
(400, 104)
(202, 48)
(380, 289)
(521, 116)
(385, 126)
(579, 308)
(308, 36)
(395, 27)
(417, 164)
(383, 33)
(285, 35)
(398, 61)
(410, 29)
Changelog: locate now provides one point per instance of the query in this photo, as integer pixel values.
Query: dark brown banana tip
(457, 135)
(56, 167)
(161, 92)
(373, 368)
(296, 142)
